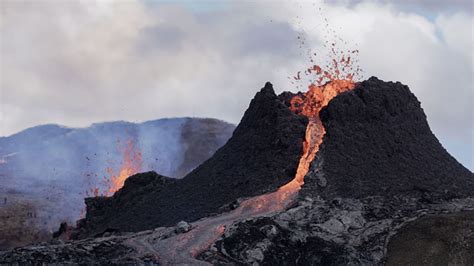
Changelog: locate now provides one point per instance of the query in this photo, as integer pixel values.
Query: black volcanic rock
(261, 156)
(382, 190)
(346, 232)
(200, 139)
(378, 142)
(443, 239)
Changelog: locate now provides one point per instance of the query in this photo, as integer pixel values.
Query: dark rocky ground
(369, 231)
(442, 239)
(262, 155)
(381, 190)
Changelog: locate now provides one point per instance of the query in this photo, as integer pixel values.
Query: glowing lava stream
(183, 248)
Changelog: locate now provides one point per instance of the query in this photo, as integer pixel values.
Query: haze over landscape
(75, 63)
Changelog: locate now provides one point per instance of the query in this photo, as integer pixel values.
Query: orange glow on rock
(309, 105)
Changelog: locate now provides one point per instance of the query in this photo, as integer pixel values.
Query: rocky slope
(262, 155)
(381, 190)
(351, 232)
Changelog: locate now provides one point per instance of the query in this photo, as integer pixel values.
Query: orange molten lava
(308, 105)
(337, 77)
(132, 161)
(208, 230)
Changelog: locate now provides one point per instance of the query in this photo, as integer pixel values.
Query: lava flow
(185, 247)
(336, 77)
(308, 105)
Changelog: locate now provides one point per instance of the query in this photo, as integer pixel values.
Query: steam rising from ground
(53, 168)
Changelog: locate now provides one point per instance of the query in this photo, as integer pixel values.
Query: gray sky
(79, 62)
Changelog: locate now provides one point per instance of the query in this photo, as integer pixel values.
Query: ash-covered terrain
(380, 190)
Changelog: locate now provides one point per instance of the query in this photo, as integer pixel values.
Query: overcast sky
(78, 62)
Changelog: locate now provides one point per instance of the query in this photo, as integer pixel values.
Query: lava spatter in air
(130, 164)
(185, 247)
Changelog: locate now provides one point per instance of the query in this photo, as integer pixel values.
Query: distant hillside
(55, 167)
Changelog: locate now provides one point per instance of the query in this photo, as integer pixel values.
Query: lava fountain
(336, 77)
(185, 247)
(131, 164)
